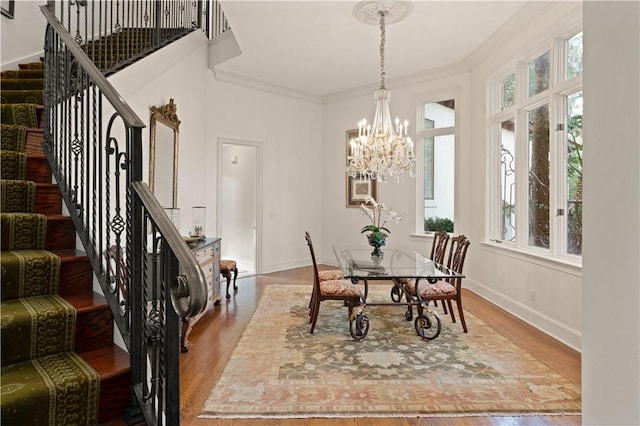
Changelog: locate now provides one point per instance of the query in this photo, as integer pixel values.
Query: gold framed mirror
(164, 129)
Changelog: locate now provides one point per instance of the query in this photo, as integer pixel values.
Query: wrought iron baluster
(96, 168)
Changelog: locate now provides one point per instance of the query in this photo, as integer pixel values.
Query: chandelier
(383, 147)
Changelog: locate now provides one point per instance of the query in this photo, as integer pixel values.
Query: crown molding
(398, 82)
(243, 80)
(527, 15)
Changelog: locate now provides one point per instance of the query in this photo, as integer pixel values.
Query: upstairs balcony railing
(116, 33)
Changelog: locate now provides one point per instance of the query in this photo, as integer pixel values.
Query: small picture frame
(8, 8)
(358, 189)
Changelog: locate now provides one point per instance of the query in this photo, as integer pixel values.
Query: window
(507, 90)
(537, 150)
(574, 173)
(436, 136)
(507, 181)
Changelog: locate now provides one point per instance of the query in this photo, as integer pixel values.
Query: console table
(207, 252)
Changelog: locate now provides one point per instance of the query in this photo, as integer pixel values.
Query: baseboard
(555, 329)
(267, 269)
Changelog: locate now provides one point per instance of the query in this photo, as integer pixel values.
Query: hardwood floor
(215, 336)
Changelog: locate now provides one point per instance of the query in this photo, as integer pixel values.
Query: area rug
(279, 370)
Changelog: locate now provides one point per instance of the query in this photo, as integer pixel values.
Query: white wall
(611, 333)
(289, 129)
(23, 37)
(178, 71)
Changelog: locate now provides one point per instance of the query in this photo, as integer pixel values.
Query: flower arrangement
(379, 216)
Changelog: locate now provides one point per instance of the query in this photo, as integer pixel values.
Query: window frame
(452, 93)
(556, 96)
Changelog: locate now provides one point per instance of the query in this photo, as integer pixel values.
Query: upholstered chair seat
(341, 288)
(332, 274)
(428, 290)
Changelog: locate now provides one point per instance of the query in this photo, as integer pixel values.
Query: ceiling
(319, 48)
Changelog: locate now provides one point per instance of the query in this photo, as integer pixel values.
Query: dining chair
(448, 289)
(439, 247)
(327, 275)
(336, 289)
(438, 251)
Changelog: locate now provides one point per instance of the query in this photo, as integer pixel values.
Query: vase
(376, 241)
(198, 217)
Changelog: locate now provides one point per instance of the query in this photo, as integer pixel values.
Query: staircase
(59, 363)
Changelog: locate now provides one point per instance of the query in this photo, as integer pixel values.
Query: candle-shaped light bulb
(398, 126)
(406, 126)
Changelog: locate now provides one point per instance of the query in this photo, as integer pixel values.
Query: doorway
(239, 201)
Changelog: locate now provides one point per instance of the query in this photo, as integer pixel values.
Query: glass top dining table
(396, 265)
(358, 263)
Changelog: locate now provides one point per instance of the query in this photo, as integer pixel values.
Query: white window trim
(558, 89)
(421, 100)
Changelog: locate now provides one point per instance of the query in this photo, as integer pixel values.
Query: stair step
(28, 74)
(33, 141)
(94, 324)
(22, 96)
(54, 384)
(35, 65)
(112, 365)
(36, 326)
(48, 199)
(94, 320)
(76, 273)
(61, 234)
(38, 169)
(22, 83)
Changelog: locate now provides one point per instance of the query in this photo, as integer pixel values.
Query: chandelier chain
(382, 42)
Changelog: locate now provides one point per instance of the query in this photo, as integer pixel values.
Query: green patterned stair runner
(28, 273)
(13, 165)
(21, 96)
(17, 195)
(43, 381)
(37, 326)
(20, 114)
(23, 231)
(22, 84)
(26, 74)
(58, 389)
(12, 137)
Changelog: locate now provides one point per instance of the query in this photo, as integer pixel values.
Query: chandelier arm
(382, 41)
